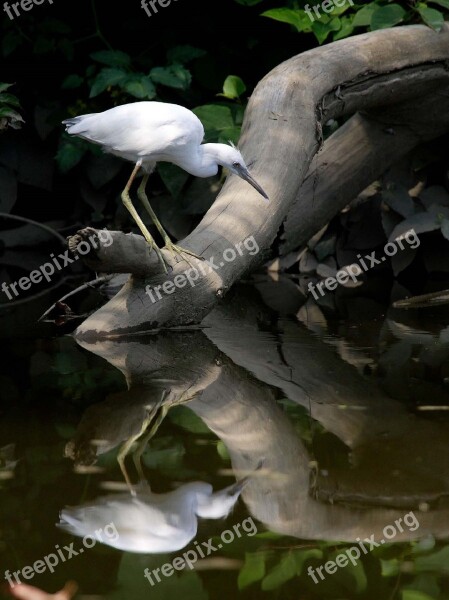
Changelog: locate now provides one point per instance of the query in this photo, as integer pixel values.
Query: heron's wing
(140, 129)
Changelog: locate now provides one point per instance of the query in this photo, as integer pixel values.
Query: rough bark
(358, 153)
(281, 134)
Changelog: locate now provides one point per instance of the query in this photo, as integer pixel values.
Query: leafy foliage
(9, 117)
(327, 19)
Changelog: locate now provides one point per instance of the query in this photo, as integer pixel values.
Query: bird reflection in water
(147, 522)
(152, 523)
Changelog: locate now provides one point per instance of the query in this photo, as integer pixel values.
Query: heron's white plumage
(148, 522)
(147, 131)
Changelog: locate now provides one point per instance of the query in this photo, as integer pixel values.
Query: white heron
(152, 523)
(148, 132)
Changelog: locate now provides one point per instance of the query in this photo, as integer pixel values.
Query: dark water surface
(336, 420)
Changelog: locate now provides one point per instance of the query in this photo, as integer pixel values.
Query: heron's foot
(182, 252)
(153, 246)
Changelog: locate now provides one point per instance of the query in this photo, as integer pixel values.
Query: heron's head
(219, 504)
(232, 159)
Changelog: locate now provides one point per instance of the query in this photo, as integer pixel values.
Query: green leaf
(426, 583)
(387, 16)
(297, 18)
(184, 54)
(70, 152)
(131, 582)
(187, 419)
(363, 17)
(431, 17)
(437, 562)
(415, 595)
(107, 78)
(302, 556)
(214, 116)
(352, 578)
(443, 3)
(174, 177)
(322, 30)
(282, 572)
(112, 58)
(72, 82)
(5, 86)
(9, 113)
(346, 29)
(174, 76)
(422, 222)
(389, 568)
(397, 198)
(215, 119)
(339, 10)
(140, 86)
(233, 87)
(222, 450)
(424, 544)
(158, 457)
(253, 570)
(230, 134)
(9, 99)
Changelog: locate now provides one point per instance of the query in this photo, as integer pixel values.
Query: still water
(280, 452)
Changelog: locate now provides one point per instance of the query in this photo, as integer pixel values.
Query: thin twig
(97, 26)
(36, 223)
(85, 286)
(424, 301)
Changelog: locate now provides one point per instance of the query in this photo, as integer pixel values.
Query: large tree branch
(357, 154)
(281, 133)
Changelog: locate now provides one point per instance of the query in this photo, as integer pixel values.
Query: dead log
(281, 134)
(357, 154)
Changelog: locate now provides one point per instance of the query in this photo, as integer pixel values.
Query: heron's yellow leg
(126, 199)
(170, 245)
(137, 455)
(125, 449)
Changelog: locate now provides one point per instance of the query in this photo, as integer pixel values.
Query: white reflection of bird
(7, 461)
(152, 523)
(148, 132)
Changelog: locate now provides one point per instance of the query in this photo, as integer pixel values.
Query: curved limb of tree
(281, 134)
(358, 153)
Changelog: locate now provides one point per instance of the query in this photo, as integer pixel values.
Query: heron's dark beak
(237, 487)
(245, 174)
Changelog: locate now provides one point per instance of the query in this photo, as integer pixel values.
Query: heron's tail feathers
(73, 125)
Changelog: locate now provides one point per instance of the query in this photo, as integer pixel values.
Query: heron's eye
(236, 165)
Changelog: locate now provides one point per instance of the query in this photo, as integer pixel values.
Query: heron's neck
(205, 162)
